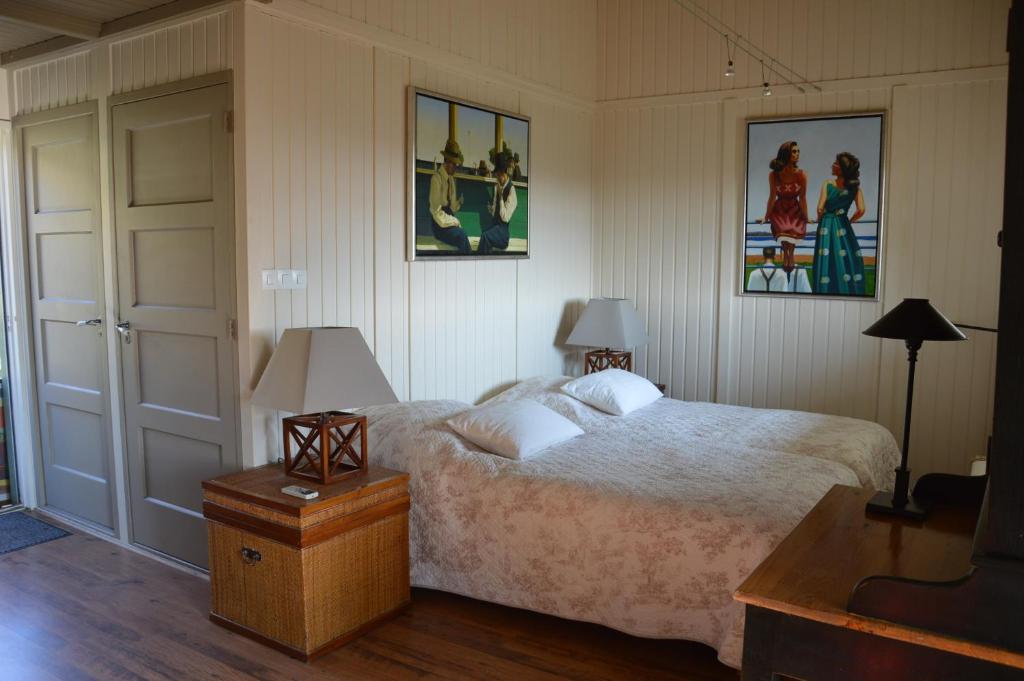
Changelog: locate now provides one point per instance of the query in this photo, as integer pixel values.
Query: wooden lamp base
(599, 360)
(331, 446)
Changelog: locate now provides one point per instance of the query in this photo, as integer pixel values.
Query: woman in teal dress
(838, 263)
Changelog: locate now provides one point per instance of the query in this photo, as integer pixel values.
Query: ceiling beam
(60, 23)
(158, 13)
(36, 49)
(108, 28)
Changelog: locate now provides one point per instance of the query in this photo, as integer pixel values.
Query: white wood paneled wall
(945, 211)
(552, 43)
(662, 173)
(462, 332)
(656, 236)
(325, 146)
(54, 83)
(654, 47)
(309, 177)
(175, 51)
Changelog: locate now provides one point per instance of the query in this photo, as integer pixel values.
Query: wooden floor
(83, 608)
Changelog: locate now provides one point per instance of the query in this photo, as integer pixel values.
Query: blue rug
(18, 530)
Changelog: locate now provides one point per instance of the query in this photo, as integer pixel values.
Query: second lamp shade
(609, 323)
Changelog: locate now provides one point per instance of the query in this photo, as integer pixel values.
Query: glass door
(8, 493)
(8, 486)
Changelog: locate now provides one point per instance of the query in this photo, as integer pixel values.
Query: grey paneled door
(60, 167)
(174, 236)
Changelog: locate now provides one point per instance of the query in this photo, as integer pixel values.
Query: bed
(646, 523)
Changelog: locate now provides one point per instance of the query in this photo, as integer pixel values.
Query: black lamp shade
(915, 320)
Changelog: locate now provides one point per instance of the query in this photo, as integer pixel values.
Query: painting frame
(878, 192)
(416, 249)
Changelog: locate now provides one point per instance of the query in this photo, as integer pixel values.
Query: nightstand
(306, 577)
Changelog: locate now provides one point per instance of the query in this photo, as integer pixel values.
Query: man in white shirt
(503, 205)
(443, 202)
(799, 282)
(768, 278)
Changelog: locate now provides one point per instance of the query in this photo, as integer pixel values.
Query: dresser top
(263, 485)
(812, 573)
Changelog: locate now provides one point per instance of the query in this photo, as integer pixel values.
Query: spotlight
(729, 70)
(767, 92)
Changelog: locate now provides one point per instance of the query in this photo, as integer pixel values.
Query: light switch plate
(283, 279)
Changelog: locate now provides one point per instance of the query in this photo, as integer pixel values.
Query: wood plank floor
(83, 608)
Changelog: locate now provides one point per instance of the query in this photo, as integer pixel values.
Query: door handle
(88, 322)
(124, 328)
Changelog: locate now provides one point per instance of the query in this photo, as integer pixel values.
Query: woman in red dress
(787, 202)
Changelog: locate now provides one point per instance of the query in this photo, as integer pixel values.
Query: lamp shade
(608, 323)
(321, 369)
(915, 320)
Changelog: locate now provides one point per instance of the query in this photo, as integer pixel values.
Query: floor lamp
(912, 321)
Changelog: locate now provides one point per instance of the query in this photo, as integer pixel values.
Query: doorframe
(116, 370)
(19, 339)
(24, 336)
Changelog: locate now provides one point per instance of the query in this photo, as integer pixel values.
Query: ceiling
(28, 22)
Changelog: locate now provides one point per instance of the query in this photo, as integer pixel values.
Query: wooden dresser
(307, 576)
(798, 619)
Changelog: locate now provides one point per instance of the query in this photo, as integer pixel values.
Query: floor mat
(18, 530)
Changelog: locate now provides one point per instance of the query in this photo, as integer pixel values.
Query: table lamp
(912, 321)
(311, 373)
(612, 324)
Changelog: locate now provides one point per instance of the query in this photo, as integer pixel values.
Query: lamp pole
(901, 491)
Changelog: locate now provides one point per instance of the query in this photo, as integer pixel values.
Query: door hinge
(229, 121)
(233, 328)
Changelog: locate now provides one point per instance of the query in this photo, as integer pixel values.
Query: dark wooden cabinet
(799, 622)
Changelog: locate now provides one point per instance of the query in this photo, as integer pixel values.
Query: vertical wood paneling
(390, 273)
(823, 40)
(656, 234)
(666, 235)
(554, 284)
(177, 52)
(309, 174)
(51, 84)
(327, 177)
(945, 212)
(552, 43)
(462, 314)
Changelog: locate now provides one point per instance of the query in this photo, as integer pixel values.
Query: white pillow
(615, 391)
(516, 430)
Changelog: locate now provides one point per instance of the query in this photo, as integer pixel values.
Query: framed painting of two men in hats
(470, 167)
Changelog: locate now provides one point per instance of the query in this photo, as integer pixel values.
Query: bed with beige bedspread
(646, 523)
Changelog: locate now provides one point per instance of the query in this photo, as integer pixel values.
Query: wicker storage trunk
(307, 576)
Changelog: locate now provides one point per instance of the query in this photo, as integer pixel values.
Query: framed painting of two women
(813, 214)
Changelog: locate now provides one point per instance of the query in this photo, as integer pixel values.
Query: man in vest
(443, 202)
(503, 205)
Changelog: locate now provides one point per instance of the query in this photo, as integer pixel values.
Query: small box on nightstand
(307, 576)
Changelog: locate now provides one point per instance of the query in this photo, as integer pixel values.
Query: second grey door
(60, 169)
(174, 238)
